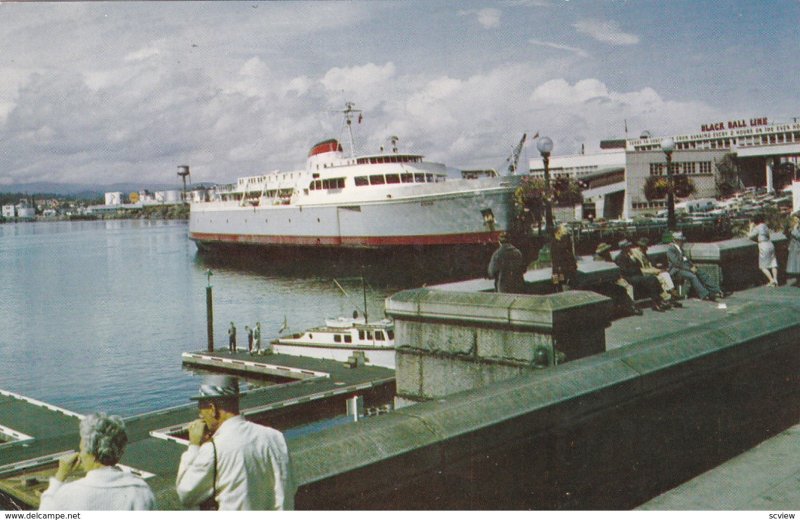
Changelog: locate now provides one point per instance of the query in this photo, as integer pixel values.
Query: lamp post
(545, 146)
(667, 146)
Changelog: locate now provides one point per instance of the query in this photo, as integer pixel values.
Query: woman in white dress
(766, 250)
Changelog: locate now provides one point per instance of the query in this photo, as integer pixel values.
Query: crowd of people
(230, 464)
(639, 277)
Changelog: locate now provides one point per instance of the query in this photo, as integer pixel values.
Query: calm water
(95, 315)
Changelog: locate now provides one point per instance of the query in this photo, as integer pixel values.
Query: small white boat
(341, 338)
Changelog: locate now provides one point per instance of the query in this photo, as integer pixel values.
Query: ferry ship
(339, 201)
(341, 338)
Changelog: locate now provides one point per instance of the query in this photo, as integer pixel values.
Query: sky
(101, 93)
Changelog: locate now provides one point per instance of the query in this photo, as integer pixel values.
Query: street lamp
(545, 146)
(667, 146)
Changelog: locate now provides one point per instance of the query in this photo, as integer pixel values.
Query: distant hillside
(82, 191)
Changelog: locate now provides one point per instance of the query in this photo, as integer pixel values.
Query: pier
(660, 411)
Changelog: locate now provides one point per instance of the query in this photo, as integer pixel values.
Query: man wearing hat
(639, 254)
(680, 267)
(239, 464)
(506, 267)
(632, 273)
(621, 292)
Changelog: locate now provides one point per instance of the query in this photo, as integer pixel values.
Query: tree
(656, 186)
(728, 178)
(530, 197)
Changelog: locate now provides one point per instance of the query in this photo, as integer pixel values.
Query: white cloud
(605, 32)
(142, 54)
(489, 18)
(576, 50)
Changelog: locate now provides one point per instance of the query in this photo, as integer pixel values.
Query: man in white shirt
(241, 465)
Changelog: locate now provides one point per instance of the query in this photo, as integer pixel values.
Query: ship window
(348, 338)
(392, 178)
(340, 183)
(407, 177)
(361, 181)
(369, 334)
(441, 178)
(419, 177)
(376, 179)
(429, 177)
(390, 333)
(379, 335)
(361, 334)
(337, 338)
(311, 185)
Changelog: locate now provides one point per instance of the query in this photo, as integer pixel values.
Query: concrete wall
(605, 432)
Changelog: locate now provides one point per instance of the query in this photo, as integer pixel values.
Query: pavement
(766, 477)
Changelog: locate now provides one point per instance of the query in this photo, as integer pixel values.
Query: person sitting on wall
(506, 267)
(668, 291)
(105, 486)
(680, 267)
(620, 291)
(632, 273)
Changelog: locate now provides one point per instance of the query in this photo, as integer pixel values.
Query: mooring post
(209, 314)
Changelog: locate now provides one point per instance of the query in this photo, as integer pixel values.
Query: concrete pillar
(770, 186)
(795, 196)
(449, 341)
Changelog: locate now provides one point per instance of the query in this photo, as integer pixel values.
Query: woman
(793, 261)
(564, 264)
(766, 250)
(105, 487)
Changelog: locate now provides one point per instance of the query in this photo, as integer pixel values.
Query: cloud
(576, 50)
(489, 18)
(605, 32)
(142, 54)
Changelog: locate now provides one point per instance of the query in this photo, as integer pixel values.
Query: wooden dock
(33, 434)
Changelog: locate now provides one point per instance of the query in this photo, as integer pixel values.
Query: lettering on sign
(734, 124)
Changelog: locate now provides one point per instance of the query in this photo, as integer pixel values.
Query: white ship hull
(381, 357)
(451, 214)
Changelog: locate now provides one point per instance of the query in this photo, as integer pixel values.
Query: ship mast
(349, 111)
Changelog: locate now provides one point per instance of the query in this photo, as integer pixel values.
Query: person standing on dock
(236, 464)
(232, 338)
(565, 266)
(105, 487)
(506, 267)
(257, 337)
(249, 332)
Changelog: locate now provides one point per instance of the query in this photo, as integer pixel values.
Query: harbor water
(94, 315)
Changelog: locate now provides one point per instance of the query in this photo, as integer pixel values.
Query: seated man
(620, 292)
(631, 271)
(668, 292)
(681, 266)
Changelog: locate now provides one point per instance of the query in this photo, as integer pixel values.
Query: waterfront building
(767, 154)
(113, 198)
(9, 211)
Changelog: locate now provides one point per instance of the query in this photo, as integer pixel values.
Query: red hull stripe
(279, 240)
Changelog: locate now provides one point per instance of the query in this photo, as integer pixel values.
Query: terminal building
(767, 155)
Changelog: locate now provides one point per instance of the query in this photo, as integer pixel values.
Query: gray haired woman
(105, 487)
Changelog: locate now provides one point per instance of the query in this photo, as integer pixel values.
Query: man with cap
(668, 292)
(506, 267)
(239, 464)
(632, 273)
(680, 267)
(621, 292)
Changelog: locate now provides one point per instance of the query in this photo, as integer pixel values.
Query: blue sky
(123, 91)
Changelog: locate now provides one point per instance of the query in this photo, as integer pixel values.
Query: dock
(34, 434)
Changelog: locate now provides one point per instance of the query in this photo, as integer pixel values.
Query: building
(113, 198)
(767, 154)
(9, 211)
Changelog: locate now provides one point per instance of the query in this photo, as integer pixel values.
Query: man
(506, 267)
(232, 338)
(632, 273)
(621, 292)
(668, 292)
(242, 465)
(680, 267)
